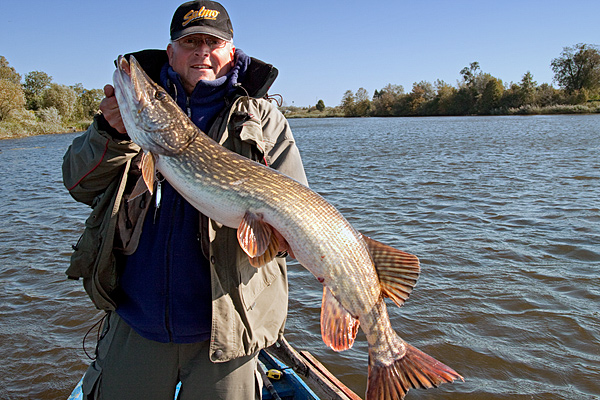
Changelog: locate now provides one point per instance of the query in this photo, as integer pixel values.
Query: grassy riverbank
(23, 127)
(592, 107)
(26, 125)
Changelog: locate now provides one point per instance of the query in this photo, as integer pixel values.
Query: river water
(504, 213)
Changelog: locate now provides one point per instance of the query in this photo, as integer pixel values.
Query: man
(183, 302)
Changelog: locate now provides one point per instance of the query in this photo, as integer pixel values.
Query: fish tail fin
(414, 370)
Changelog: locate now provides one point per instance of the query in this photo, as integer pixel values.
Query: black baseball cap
(207, 17)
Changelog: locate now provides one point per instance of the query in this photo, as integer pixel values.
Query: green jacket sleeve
(93, 161)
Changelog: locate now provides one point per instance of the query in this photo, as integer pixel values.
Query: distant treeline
(576, 71)
(35, 105)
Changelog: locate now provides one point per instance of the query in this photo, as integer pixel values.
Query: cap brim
(206, 30)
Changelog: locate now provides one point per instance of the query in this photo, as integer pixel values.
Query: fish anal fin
(398, 271)
(148, 168)
(413, 370)
(257, 240)
(338, 326)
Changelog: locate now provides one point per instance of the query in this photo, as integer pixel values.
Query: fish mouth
(152, 118)
(129, 76)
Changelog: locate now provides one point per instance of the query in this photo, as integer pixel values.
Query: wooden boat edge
(317, 377)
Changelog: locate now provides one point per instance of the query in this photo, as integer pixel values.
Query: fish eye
(160, 95)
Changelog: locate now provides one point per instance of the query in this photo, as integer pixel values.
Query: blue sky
(321, 48)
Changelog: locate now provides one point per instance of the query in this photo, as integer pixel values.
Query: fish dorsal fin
(338, 326)
(398, 271)
(257, 240)
(146, 181)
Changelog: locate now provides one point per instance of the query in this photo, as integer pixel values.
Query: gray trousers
(130, 367)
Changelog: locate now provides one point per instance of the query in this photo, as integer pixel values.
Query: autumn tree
(363, 103)
(422, 93)
(356, 104)
(347, 104)
(7, 72)
(11, 98)
(385, 101)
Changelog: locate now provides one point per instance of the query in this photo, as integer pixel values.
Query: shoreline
(332, 114)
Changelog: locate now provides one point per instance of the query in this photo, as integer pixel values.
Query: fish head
(152, 118)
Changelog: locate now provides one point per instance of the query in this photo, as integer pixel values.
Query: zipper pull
(158, 195)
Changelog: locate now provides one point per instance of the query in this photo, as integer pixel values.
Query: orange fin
(139, 189)
(414, 370)
(398, 271)
(146, 181)
(338, 326)
(267, 256)
(148, 167)
(257, 240)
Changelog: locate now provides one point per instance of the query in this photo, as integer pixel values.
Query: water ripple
(502, 211)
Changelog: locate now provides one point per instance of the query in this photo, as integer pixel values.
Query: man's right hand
(110, 110)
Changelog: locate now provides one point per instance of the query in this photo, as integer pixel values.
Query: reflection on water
(502, 211)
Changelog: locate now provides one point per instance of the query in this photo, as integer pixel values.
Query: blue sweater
(166, 282)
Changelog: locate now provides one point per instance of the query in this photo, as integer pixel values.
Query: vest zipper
(168, 279)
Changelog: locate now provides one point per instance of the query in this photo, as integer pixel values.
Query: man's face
(200, 57)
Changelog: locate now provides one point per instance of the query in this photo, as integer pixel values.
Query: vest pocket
(254, 281)
(85, 251)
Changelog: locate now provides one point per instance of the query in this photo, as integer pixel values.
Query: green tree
(528, 88)
(546, 95)
(36, 82)
(464, 101)
(320, 105)
(88, 102)
(491, 97)
(469, 73)
(61, 97)
(11, 98)
(7, 72)
(577, 68)
(511, 98)
(444, 97)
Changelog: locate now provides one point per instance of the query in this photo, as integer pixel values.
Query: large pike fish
(357, 272)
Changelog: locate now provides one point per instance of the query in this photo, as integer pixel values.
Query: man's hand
(110, 110)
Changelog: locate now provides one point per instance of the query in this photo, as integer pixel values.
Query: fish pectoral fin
(257, 240)
(398, 271)
(139, 189)
(148, 167)
(338, 326)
